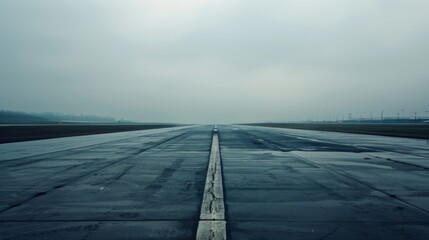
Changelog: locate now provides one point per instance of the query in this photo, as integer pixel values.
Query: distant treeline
(9, 117)
(12, 117)
(58, 117)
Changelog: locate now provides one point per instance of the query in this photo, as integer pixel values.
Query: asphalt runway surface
(267, 183)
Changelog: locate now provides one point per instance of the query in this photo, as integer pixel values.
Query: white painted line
(211, 230)
(212, 224)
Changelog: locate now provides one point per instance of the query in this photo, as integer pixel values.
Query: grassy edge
(419, 131)
(10, 134)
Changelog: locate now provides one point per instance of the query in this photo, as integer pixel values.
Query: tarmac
(275, 184)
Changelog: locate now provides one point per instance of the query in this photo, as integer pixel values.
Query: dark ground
(395, 130)
(278, 184)
(36, 132)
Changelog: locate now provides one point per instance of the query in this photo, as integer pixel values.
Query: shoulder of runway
(18, 133)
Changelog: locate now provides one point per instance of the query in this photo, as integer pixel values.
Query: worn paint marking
(212, 224)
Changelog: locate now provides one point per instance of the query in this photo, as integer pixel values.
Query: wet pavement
(278, 184)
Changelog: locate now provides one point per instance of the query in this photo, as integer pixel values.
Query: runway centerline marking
(212, 224)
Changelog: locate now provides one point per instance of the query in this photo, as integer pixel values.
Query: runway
(276, 184)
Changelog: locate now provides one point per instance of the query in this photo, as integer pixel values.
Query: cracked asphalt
(277, 183)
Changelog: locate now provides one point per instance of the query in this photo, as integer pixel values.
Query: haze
(215, 61)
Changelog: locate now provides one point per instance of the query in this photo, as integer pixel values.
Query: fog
(215, 61)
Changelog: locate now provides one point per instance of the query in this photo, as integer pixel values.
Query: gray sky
(215, 61)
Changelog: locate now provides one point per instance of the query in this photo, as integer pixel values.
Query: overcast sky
(204, 61)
